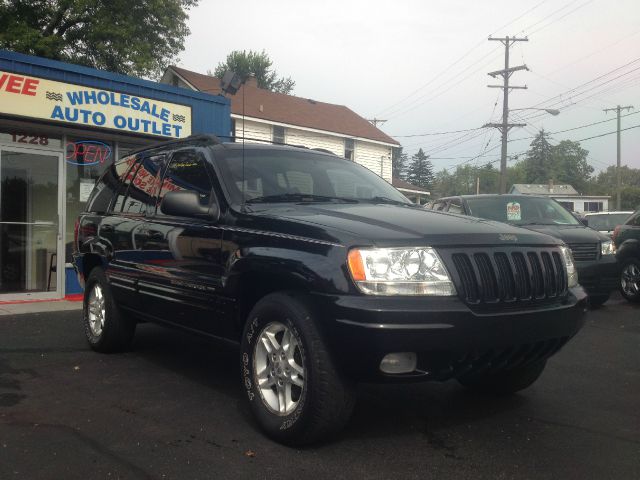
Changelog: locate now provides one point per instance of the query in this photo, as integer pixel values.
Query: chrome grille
(495, 276)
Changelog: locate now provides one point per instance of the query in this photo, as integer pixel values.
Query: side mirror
(585, 221)
(187, 203)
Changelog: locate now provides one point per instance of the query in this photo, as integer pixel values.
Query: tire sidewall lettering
(249, 382)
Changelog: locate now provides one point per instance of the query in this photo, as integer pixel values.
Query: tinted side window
(186, 171)
(113, 181)
(125, 170)
(455, 206)
(144, 187)
(634, 220)
(103, 192)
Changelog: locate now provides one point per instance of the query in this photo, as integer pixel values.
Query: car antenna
(230, 84)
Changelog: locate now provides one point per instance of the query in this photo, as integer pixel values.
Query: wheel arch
(629, 249)
(252, 286)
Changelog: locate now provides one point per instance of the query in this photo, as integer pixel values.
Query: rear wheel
(505, 382)
(106, 328)
(630, 280)
(294, 390)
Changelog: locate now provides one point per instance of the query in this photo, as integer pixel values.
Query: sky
(422, 66)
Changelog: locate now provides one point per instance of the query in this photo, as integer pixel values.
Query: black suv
(322, 272)
(627, 242)
(593, 252)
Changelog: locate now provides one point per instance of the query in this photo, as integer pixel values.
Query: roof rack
(200, 137)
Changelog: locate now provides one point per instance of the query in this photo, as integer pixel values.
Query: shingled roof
(288, 109)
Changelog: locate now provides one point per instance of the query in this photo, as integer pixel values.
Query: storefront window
(125, 149)
(85, 159)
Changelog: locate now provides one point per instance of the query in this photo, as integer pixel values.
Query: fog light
(402, 362)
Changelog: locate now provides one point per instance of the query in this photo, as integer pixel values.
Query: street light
(551, 111)
(504, 128)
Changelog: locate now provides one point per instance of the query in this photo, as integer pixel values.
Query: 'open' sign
(87, 152)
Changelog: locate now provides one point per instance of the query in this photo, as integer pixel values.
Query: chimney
(251, 81)
(551, 185)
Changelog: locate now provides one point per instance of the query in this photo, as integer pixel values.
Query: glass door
(31, 264)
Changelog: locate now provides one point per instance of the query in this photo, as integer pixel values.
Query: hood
(570, 233)
(390, 225)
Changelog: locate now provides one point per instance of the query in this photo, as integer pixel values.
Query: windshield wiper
(299, 197)
(534, 222)
(386, 200)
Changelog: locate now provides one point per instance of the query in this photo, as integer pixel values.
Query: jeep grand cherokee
(324, 275)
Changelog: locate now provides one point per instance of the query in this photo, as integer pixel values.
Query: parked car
(324, 275)
(605, 222)
(593, 252)
(626, 238)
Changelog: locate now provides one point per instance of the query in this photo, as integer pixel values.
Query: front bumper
(449, 338)
(599, 277)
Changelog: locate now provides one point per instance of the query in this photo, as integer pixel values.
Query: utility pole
(376, 121)
(618, 109)
(505, 126)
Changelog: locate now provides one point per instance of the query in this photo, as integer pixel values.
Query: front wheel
(630, 280)
(294, 390)
(505, 382)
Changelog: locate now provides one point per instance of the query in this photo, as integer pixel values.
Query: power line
(562, 17)
(548, 16)
(567, 65)
(609, 88)
(459, 59)
(409, 108)
(436, 133)
(566, 93)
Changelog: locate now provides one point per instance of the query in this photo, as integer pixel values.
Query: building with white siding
(565, 195)
(275, 117)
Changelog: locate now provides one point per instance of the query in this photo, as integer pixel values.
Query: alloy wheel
(630, 280)
(96, 310)
(278, 368)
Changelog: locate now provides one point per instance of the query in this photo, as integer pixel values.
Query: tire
(318, 401)
(596, 301)
(106, 328)
(506, 382)
(630, 280)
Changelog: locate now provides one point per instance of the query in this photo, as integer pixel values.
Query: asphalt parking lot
(173, 408)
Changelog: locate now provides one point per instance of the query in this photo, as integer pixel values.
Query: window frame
(275, 140)
(114, 198)
(152, 195)
(350, 149)
(170, 155)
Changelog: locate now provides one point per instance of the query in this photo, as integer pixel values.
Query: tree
(605, 184)
(257, 64)
(420, 171)
(571, 166)
(399, 161)
(564, 163)
(538, 163)
(133, 37)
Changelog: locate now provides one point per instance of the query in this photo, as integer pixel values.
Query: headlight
(572, 274)
(607, 248)
(400, 271)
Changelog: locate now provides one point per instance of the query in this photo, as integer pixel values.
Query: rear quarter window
(108, 185)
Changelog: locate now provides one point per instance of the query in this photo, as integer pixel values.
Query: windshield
(607, 222)
(277, 176)
(521, 210)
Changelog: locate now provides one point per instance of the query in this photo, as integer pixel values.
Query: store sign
(87, 152)
(67, 103)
